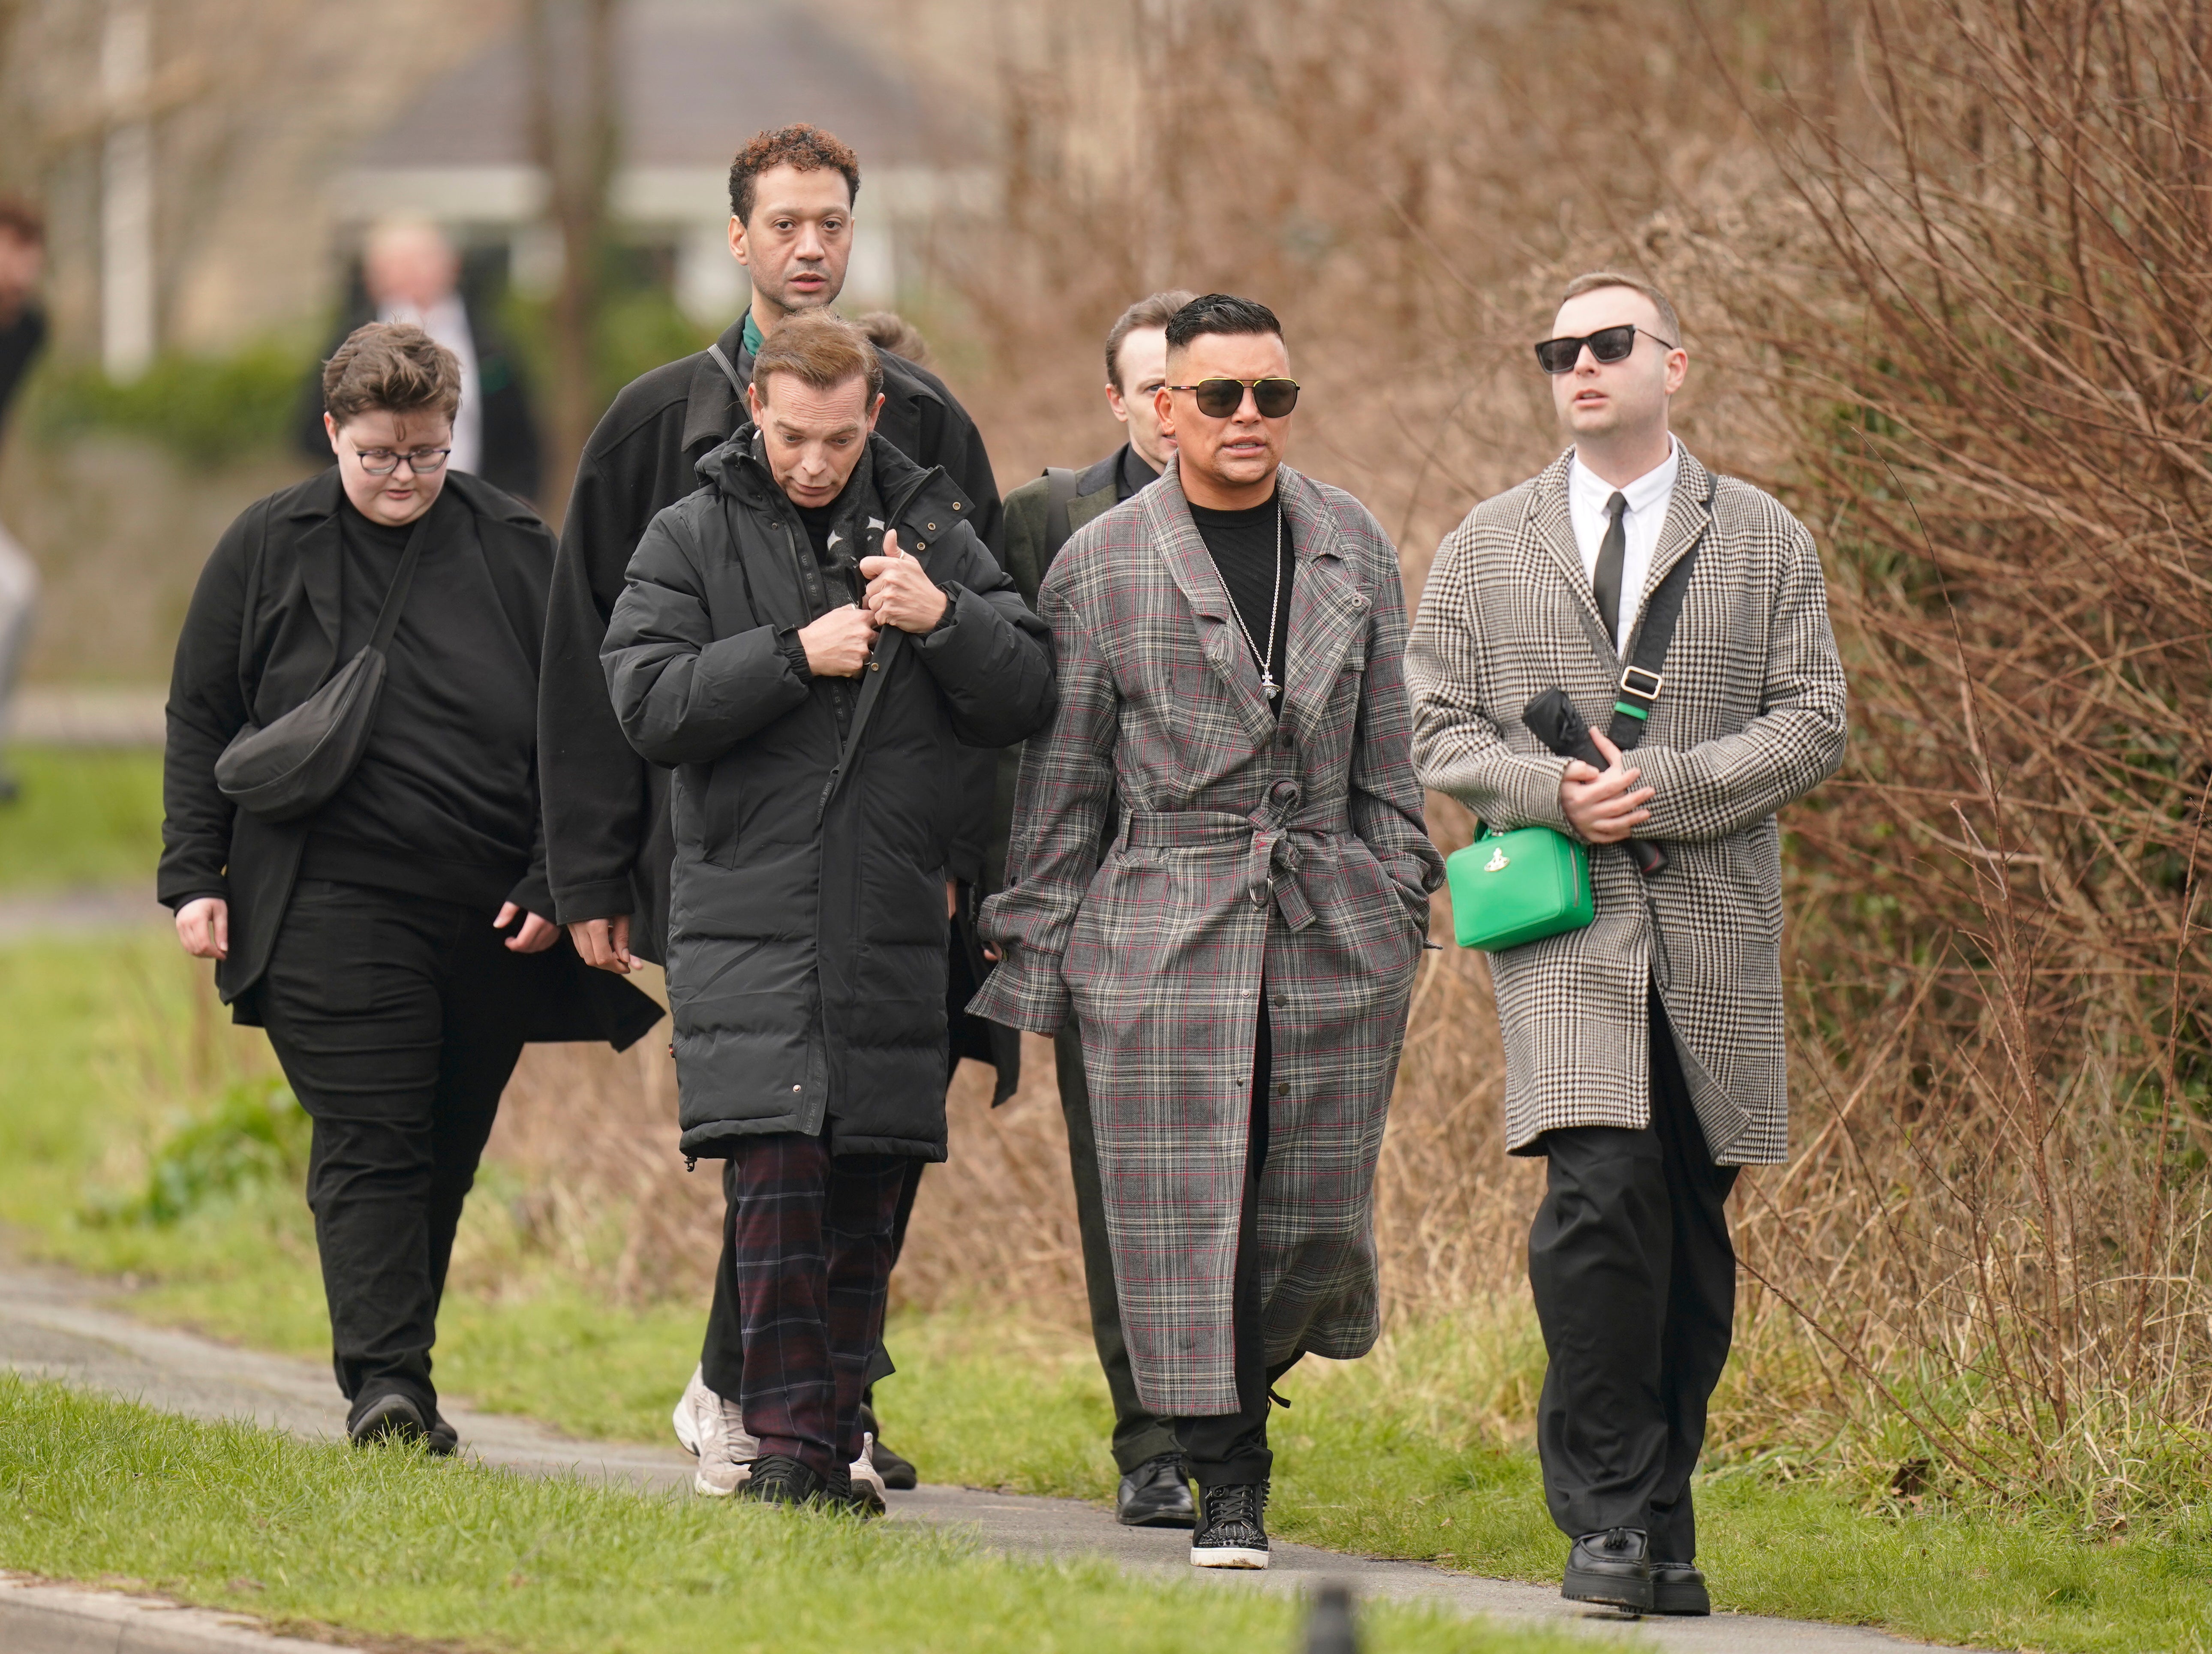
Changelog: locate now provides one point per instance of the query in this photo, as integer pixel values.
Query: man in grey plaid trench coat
(1645, 1053)
(1267, 846)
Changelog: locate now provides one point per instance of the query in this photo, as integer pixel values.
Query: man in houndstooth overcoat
(1240, 957)
(1645, 1053)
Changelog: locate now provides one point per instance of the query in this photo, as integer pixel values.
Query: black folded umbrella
(1552, 720)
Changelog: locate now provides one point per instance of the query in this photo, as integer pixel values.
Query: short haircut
(1591, 281)
(809, 148)
(1220, 313)
(392, 367)
(1156, 310)
(889, 331)
(820, 348)
(20, 219)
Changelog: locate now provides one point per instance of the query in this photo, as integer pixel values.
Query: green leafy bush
(257, 1136)
(206, 409)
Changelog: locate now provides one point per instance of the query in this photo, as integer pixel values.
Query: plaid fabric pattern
(1752, 716)
(811, 1241)
(1247, 849)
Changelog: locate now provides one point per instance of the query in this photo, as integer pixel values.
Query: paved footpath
(55, 1326)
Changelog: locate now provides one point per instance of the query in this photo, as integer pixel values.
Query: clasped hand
(900, 594)
(1604, 807)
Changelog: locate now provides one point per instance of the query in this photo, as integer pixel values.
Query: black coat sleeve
(991, 657)
(683, 695)
(206, 709)
(592, 781)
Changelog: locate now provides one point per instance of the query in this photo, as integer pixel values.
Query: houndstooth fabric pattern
(1248, 852)
(1752, 715)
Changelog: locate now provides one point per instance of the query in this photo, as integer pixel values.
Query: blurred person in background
(889, 331)
(808, 642)
(409, 272)
(1644, 1054)
(396, 942)
(609, 836)
(1041, 515)
(1220, 877)
(23, 335)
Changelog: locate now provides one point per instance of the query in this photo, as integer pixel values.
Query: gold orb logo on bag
(1498, 860)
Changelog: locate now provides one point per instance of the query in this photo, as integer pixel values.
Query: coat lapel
(1689, 515)
(1190, 566)
(321, 555)
(1554, 529)
(1328, 611)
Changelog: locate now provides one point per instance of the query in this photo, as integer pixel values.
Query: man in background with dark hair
(1233, 727)
(609, 839)
(1040, 516)
(22, 334)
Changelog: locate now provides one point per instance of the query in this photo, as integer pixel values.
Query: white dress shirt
(1649, 497)
(447, 322)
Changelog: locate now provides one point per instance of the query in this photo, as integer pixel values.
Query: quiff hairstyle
(820, 348)
(1591, 281)
(1220, 313)
(809, 148)
(1156, 310)
(391, 367)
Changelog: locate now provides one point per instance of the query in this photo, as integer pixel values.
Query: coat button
(1283, 741)
(932, 528)
(1281, 1000)
(956, 505)
(1282, 1088)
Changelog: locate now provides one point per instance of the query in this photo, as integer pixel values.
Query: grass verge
(85, 818)
(396, 1545)
(106, 1041)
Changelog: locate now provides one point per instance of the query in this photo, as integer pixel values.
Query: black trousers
(398, 1019)
(1138, 1435)
(1634, 1277)
(1223, 1449)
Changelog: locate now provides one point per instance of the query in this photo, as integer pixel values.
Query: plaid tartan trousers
(1249, 852)
(1751, 716)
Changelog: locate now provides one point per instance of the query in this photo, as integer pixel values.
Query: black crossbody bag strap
(729, 371)
(1644, 677)
(387, 618)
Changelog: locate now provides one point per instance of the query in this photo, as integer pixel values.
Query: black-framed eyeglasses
(382, 462)
(1218, 398)
(1607, 345)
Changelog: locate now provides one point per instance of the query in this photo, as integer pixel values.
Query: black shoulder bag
(295, 764)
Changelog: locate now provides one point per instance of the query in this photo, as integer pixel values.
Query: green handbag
(1521, 886)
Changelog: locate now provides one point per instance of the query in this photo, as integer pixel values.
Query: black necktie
(1611, 550)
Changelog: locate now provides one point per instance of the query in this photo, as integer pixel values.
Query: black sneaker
(1612, 1568)
(899, 1475)
(1156, 1494)
(391, 1417)
(1678, 1588)
(778, 1479)
(1232, 1532)
(843, 1491)
(441, 1438)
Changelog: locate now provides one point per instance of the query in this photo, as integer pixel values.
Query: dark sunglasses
(1218, 398)
(1607, 345)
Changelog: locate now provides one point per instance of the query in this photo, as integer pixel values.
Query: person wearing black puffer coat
(810, 641)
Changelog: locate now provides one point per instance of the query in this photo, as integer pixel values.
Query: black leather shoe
(899, 1475)
(1678, 1588)
(391, 1417)
(841, 1493)
(441, 1438)
(1156, 1495)
(1612, 1568)
(778, 1479)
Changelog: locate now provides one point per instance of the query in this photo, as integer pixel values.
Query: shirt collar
(1650, 490)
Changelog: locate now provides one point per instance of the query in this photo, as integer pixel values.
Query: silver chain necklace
(1274, 608)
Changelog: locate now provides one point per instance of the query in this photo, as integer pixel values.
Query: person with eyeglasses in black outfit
(397, 941)
(1644, 1059)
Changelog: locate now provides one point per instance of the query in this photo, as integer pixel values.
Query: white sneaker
(686, 1417)
(725, 1451)
(868, 1480)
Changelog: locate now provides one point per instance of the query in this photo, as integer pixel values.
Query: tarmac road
(54, 1325)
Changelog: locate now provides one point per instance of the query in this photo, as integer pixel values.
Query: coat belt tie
(1279, 830)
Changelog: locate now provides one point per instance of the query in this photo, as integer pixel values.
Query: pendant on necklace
(1267, 683)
